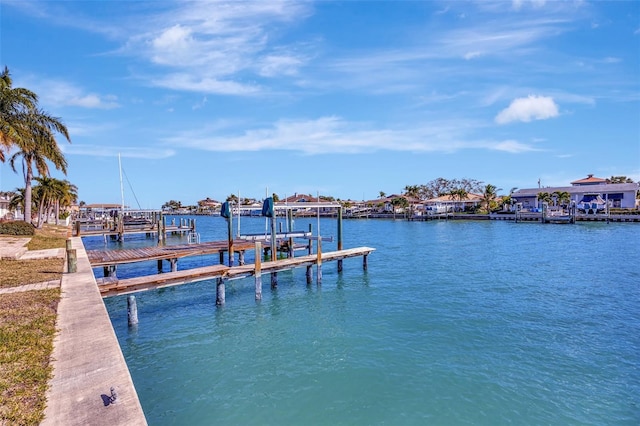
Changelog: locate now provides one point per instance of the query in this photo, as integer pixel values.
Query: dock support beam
(364, 261)
(258, 271)
(174, 264)
(132, 310)
(220, 292)
(159, 266)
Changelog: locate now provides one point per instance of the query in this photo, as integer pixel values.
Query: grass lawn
(27, 329)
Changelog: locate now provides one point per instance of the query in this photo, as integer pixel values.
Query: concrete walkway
(87, 360)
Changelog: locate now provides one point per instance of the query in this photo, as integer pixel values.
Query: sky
(341, 98)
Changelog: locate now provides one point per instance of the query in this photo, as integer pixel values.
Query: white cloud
(527, 109)
(512, 146)
(334, 135)
(62, 93)
(151, 153)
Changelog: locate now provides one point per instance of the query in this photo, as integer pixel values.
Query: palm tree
(383, 194)
(459, 194)
(17, 200)
(544, 197)
(412, 191)
(489, 195)
(14, 105)
(32, 131)
(37, 145)
(43, 194)
(562, 197)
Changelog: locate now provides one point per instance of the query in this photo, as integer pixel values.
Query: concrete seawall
(87, 360)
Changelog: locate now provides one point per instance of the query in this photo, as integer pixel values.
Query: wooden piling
(72, 261)
(174, 264)
(319, 261)
(230, 238)
(364, 262)
(274, 248)
(159, 266)
(340, 237)
(220, 292)
(132, 310)
(274, 280)
(258, 271)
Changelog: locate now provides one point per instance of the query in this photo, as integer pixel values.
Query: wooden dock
(112, 286)
(120, 257)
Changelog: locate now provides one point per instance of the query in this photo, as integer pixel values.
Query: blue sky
(205, 99)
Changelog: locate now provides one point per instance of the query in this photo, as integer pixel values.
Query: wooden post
(230, 238)
(174, 264)
(310, 251)
(159, 266)
(290, 226)
(132, 310)
(340, 236)
(120, 226)
(309, 274)
(159, 232)
(364, 262)
(221, 254)
(78, 227)
(274, 248)
(241, 257)
(258, 271)
(274, 280)
(220, 292)
(164, 228)
(319, 261)
(68, 244)
(72, 261)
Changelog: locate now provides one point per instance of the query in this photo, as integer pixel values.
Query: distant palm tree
(562, 197)
(412, 191)
(459, 194)
(383, 194)
(489, 195)
(17, 200)
(544, 197)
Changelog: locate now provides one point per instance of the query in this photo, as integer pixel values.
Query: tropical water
(457, 322)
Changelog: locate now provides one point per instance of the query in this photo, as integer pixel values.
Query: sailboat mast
(121, 186)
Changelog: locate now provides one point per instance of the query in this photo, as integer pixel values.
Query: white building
(614, 195)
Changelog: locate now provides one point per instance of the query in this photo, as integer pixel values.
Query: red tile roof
(588, 180)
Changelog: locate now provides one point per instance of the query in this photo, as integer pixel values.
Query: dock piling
(258, 271)
(132, 310)
(72, 261)
(220, 292)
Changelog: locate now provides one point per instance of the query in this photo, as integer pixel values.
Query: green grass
(27, 328)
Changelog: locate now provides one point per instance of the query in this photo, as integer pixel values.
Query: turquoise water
(453, 323)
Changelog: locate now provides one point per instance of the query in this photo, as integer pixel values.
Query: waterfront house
(5, 199)
(587, 190)
(450, 203)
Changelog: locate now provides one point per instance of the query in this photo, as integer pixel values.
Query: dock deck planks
(119, 257)
(149, 282)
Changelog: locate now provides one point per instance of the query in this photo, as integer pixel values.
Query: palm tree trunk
(57, 212)
(27, 195)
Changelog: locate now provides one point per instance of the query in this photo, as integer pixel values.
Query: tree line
(28, 138)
